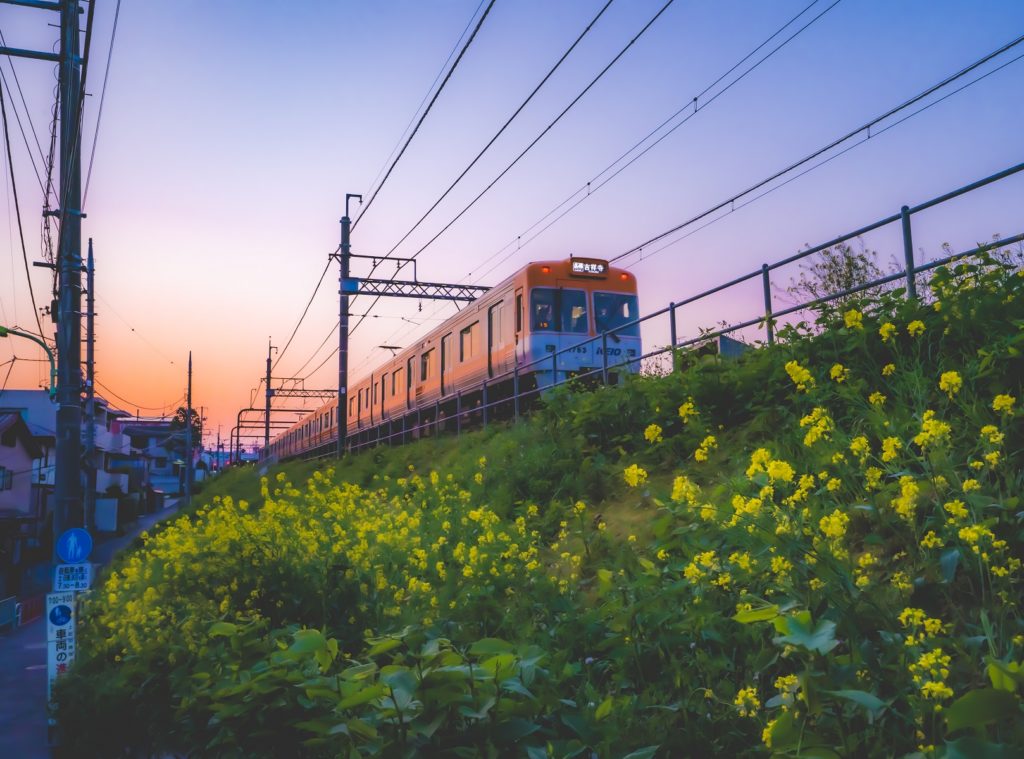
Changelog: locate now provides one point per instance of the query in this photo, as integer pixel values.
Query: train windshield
(612, 310)
(558, 310)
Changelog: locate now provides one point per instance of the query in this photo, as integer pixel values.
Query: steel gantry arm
(424, 290)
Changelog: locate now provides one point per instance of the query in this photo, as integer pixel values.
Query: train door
(410, 365)
(446, 364)
(520, 341)
(495, 337)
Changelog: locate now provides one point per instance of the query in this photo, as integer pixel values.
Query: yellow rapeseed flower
(834, 525)
(886, 331)
(839, 373)
(888, 370)
(1003, 404)
(801, 376)
(876, 399)
(950, 383)
(933, 430)
(634, 476)
(707, 444)
(747, 702)
(915, 328)
(853, 319)
(687, 410)
(891, 447)
(653, 433)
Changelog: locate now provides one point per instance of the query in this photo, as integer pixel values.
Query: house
(19, 510)
(157, 452)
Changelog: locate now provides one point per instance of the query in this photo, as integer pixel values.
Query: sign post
(73, 548)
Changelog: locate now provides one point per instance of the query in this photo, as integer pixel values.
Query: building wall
(17, 461)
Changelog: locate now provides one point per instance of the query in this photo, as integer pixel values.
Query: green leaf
(488, 646)
(1005, 676)
(762, 614)
(514, 729)
(307, 641)
(222, 628)
(800, 633)
(359, 671)
(604, 709)
(948, 563)
(980, 707)
(363, 695)
(643, 753)
(869, 701)
(383, 646)
(784, 734)
(970, 747)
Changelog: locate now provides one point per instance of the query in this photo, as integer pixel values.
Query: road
(23, 665)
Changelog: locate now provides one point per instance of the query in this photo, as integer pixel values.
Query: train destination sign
(589, 267)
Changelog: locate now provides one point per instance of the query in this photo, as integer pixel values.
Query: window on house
(6, 478)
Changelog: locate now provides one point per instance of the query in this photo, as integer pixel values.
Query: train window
(519, 312)
(574, 311)
(559, 310)
(376, 392)
(409, 373)
(426, 365)
(352, 407)
(469, 342)
(612, 310)
(396, 382)
(542, 310)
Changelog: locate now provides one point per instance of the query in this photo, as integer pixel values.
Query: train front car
(570, 304)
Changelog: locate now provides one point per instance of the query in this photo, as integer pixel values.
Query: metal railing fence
(450, 411)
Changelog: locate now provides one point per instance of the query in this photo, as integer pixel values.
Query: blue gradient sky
(232, 131)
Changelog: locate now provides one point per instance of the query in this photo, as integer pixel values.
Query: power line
(139, 405)
(99, 110)
(304, 312)
(21, 128)
(590, 189)
(820, 151)
(537, 139)
(134, 331)
(504, 126)
(821, 163)
(426, 95)
(424, 116)
(548, 127)
(21, 94)
(17, 213)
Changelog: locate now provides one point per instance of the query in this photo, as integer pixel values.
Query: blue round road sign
(60, 615)
(74, 546)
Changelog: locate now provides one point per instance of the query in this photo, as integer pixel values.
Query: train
(549, 322)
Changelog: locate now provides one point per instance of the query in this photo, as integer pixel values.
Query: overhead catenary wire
(504, 126)
(589, 189)
(534, 142)
(732, 209)
(423, 117)
(21, 129)
(426, 95)
(835, 143)
(305, 311)
(548, 128)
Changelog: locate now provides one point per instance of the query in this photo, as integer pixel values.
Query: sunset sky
(232, 130)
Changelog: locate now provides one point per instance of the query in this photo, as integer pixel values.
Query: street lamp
(5, 331)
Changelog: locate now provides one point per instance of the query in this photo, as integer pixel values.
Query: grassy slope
(683, 638)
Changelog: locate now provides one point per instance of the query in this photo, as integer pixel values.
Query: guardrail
(512, 404)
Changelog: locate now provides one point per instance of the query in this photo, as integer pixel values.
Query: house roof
(11, 423)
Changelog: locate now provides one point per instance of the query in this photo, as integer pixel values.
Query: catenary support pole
(188, 435)
(343, 290)
(908, 252)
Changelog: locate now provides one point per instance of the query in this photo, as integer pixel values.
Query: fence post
(554, 369)
(458, 413)
(672, 332)
(908, 252)
(437, 418)
(604, 358)
(515, 392)
(767, 282)
(483, 403)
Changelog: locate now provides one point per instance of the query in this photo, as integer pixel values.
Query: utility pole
(90, 392)
(343, 290)
(67, 480)
(68, 484)
(188, 435)
(270, 394)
